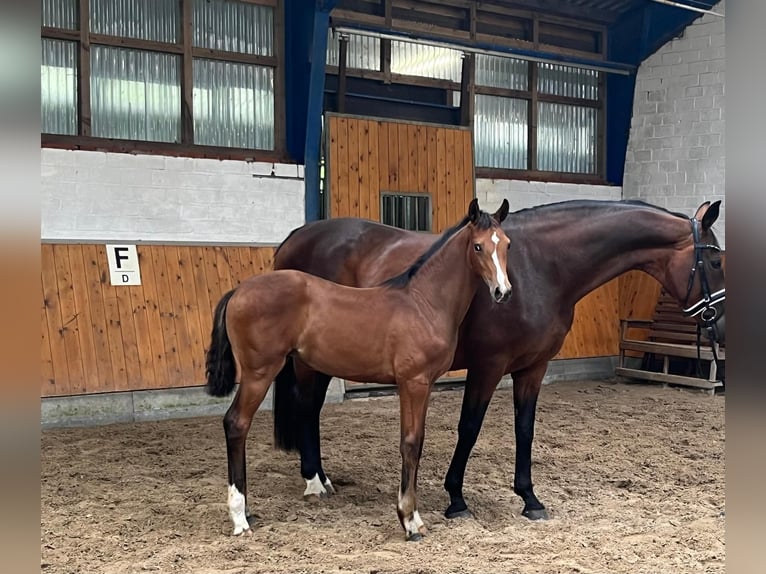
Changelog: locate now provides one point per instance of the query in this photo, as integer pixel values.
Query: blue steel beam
(315, 99)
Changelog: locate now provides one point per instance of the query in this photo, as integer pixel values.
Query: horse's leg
(311, 402)
(253, 386)
(413, 404)
(481, 383)
(526, 388)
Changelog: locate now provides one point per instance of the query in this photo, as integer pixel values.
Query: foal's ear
(473, 210)
(502, 213)
(711, 215)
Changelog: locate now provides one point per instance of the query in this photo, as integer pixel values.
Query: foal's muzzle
(501, 296)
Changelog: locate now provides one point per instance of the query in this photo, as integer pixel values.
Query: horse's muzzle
(501, 296)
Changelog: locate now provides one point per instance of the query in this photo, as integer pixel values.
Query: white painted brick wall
(97, 196)
(676, 151)
(522, 194)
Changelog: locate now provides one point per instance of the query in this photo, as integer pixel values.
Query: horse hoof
(314, 497)
(536, 514)
(416, 537)
(242, 532)
(251, 519)
(455, 511)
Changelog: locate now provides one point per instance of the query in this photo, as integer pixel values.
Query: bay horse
(403, 331)
(561, 252)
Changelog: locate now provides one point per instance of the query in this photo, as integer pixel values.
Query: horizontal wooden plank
(672, 349)
(667, 378)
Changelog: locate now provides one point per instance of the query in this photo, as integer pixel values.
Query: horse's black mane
(591, 204)
(485, 221)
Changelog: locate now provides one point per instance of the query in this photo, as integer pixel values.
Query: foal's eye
(715, 264)
(477, 246)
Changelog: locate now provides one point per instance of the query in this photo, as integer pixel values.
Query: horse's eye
(715, 263)
(477, 246)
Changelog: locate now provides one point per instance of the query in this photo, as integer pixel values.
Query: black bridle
(706, 307)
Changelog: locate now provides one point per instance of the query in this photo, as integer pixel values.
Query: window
(530, 119)
(140, 78)
(406, 211)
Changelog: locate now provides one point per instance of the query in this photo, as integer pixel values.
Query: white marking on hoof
(328, 486)
(314, 487)
(237, 511)
(418, 521)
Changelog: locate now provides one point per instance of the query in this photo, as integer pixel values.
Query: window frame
(468, 88)
(421, 195)
(188, 53)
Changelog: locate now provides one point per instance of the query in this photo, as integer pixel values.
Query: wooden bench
(669, 335)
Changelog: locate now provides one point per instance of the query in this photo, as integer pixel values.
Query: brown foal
(403, 331)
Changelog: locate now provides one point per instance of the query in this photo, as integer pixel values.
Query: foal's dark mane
(400, 281)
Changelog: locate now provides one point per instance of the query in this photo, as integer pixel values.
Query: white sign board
(123, 264)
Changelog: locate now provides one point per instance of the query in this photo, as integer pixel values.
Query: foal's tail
(220, 367)
(287, 423)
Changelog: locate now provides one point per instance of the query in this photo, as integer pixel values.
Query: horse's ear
(711, 215)
(473, 210)
(502, 213)
(700, 213)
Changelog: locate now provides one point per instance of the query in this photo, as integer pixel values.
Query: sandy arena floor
(632, 475)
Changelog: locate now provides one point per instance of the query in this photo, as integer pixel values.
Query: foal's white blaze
(314, 486)
(237, 510)
(501, 280)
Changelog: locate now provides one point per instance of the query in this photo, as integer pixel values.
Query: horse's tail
(287, 423)
(220, 367)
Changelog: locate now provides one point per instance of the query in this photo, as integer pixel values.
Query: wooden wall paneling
(138, 307)
(167, 323)
(95, 275)
(343, 202)
(373, 165)
(412, 158)
(595, 329)
(450, 179)
(47, 374)
(68, 311)
(403, 155)
(204, 303)
(119, 379)
(440, 192)
(383, 159)
(53, 321)
(365, 195)
(393, 158)
(84, 322)
(422, 157)
(353, 167)
(433, 174)
(468, 173)
(191, 303)
(127, 330)
(164, 370)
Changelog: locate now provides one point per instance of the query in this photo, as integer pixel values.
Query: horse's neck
(446, 284)
(586, 253)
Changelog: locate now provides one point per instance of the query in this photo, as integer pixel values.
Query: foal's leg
(481, 383)
(526, 388)
(236, 423)
(413, 404)
(312, 387)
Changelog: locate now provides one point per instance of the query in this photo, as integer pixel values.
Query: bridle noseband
(706, 306)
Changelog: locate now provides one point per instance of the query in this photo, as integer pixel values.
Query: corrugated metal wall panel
(363, 52)
(426, 61)
(58, 83)
(500, 132)
(498, 72)
(567, 81)
(157, 20)
(135, 94)
(59, 14)
(234, 27)
(566, 138)
(233, 105)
